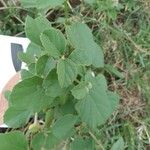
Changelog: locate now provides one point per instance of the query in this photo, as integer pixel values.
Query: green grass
(124, 35)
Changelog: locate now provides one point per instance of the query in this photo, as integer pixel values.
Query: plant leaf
(67, 72)
(81, 90)
(16, 117)
(44, 141)
(14, 140)
(86, 52)
(52, 86)
(82, 144)
(34, 28)
(118, 145)
(27, 95)
(44, 65)
(25, 74)
(64, 125)
(97, 106)
(34, 50)
(41, 4)
(54, 42)
(24, 57)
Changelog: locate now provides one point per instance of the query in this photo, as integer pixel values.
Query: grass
(123, 31)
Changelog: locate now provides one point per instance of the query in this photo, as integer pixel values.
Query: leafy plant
(61, 88)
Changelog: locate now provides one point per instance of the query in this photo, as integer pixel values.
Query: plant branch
(97, 141)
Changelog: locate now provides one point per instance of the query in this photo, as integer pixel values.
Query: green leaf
(16, 117)
(97, 106)
(34, 28)
(86, 52)
(118, 145)
(81, 90)
(52, 86)
(67, 72)
(25, 74)
(44, 141)
(44, 65)
(27, 97)
(82, 144)
(24, 57)
(34, 50)
(29, 94)
(14, 140)
(32, 68)
(54, 42)
(41, 4)
(64, 126)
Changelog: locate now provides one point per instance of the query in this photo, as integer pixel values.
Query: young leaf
(34, 28)
(14, 140)
(118, 145)
(63, 126)
(52, 86)
(67, 72)
(41, 4)
(86, 52)
(81, 90)
(54, 42)
(44, 65)
(97, 106)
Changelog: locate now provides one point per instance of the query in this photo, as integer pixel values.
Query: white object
(6, 65)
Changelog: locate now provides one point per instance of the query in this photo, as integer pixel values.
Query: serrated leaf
(44, 65)
(86, 52)
(81, 90)
(16, 117)
(52, 86)
(41, 4)
(118, 145)
(64, 125)
(54, 42)
(67, 72)
(14, 140)
(82, 144)
(25, 74)
(34, 28)
(27, 97)
(97, 106)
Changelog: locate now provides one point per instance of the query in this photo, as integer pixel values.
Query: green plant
(63, 88)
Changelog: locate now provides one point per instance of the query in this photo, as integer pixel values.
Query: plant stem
(97, 141)
(36, 118)
(66, 10)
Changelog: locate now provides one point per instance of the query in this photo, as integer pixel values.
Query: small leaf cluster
(60, 89)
